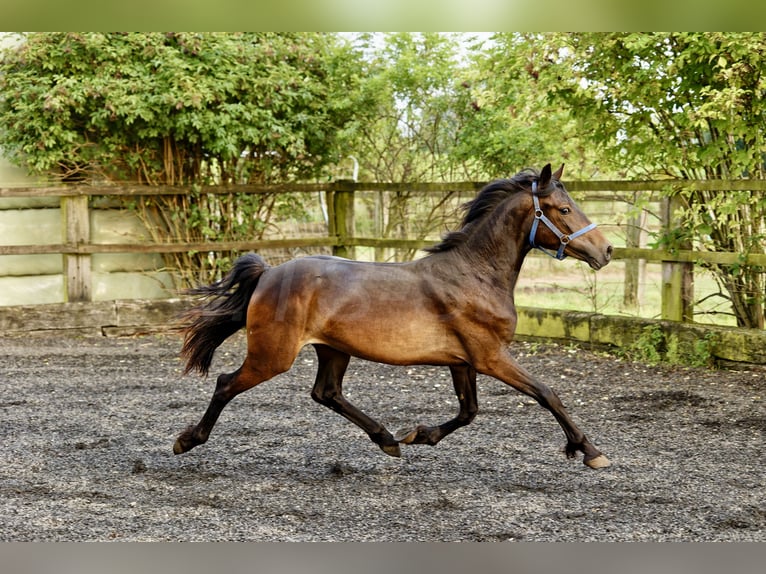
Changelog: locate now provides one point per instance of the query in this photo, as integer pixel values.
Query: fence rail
(342, 238)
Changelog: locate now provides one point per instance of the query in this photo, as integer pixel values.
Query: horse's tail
(223, 314)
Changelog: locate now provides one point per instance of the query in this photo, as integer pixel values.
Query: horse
(453, 307)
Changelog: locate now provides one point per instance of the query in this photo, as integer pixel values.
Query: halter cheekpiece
(564, 239)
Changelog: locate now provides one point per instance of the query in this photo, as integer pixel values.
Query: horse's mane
(483, 205)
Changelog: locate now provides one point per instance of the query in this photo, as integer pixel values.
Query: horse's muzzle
(597, 263)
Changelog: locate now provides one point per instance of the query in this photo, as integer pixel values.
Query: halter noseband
(564, 239)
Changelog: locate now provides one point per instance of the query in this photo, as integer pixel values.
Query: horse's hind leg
(227, 387)
(464, 381)
(328, 391)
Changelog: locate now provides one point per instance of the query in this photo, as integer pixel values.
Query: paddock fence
(354, 220)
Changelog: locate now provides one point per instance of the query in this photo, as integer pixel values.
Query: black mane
(485, 202)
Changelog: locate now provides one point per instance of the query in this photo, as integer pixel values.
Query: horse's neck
(496, 264)
(498, 250)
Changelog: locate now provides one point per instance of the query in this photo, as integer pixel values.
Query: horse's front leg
(328, 391)
(464, 381)
(506, 369)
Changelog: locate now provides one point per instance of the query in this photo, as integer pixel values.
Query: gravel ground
(87, 427)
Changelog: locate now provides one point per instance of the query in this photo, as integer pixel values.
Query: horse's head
(560, 228)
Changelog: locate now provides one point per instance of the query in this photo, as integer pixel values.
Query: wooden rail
(77, 248)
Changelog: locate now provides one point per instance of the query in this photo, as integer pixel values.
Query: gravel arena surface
(88, 426)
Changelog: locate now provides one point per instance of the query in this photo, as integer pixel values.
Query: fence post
(635, 269)
(342, 218)
(380, 223)
(630, 296)
(77, 267)
(677, 278)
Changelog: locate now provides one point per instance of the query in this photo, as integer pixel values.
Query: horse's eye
(564, 210)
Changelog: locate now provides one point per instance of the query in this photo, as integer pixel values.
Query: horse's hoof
(391, 450)
(599, 461)
(178, 448)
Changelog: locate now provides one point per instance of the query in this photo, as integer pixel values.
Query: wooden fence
(77, 248)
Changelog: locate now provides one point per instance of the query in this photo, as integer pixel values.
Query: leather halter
(564, 239)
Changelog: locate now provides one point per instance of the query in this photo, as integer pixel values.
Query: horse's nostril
(609, 253)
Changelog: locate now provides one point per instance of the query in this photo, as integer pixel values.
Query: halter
(563, 238)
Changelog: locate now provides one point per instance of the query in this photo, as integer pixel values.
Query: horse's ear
(559, 173)
(545, 177)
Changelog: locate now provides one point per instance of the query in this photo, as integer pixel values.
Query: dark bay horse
(453, 307)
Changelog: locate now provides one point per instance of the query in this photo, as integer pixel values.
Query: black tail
(211, 323)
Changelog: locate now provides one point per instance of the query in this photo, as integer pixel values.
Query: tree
(180, 109)
(172, 108)
(409, 127)
(510, 120)
(681, 105)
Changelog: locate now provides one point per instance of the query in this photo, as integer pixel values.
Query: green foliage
(647, 346)
(653, 346)
(180, 109)
(408, 127)
(411, 117)
(683, 105)
(701, 354)
(687, 105)
(442, 110)
(511, 122)
(174, 108)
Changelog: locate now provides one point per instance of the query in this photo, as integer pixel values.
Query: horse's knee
(229, 385)
(224, 379)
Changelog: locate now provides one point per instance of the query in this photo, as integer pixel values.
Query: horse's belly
(395, 342)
